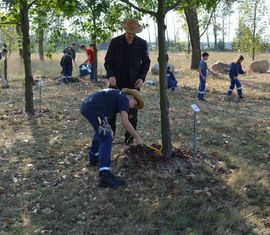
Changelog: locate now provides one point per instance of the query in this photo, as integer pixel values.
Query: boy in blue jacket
(234, 70)
(95, 108)
(171, 81)
(66, 64)
(203, 73)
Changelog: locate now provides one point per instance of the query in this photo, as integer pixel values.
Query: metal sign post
(195, 110)
(40, 85)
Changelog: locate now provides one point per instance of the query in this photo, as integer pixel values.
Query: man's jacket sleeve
(109, 60)
(145, 63)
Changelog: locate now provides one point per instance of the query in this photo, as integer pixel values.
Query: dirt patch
(149, 154)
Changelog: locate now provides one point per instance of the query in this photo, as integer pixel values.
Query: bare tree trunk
(215, 30)
(167, 33)
(40, 44)
(156, 37)
(94, 38)
(5, 68)
(254, 30)
(29, 104)
(207, 38)
(149, 36)
(19, 32)
(223, 33)
(188, 44)
(164, 103)
(194, 31)
(95, 63)
(174, 31)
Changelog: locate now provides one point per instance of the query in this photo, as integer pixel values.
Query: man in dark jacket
(127, 63)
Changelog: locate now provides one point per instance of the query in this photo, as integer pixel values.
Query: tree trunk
(207, 38)
(149, 36)
(188, 44)
(194, 31)
(95, 63)
(94, 38)
(174, 31)
(29, 104)
(223, 33)
(40, 44)
(167, 33)
(19, 32)
(5, 68)
(215, 30)
(254, 31)
(164, 104)
(156, 37)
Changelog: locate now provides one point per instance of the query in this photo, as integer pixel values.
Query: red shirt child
(90, 54)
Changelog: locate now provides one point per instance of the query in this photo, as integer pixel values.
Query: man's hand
(138, 83)
(112, 81)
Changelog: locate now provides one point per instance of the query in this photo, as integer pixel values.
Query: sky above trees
(174, 18)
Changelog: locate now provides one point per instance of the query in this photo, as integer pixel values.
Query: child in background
(203, 73)
(66, 64)
(171, 81)
(234, 70)
(90, 58)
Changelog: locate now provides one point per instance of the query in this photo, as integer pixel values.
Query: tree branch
(172, 6)
(152, 13)
(7, 23)
(5, 33)
(210, 18)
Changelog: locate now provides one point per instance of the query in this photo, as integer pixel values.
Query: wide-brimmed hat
(132, 26)
(136, 95)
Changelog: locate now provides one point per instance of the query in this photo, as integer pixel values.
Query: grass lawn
(47, 187)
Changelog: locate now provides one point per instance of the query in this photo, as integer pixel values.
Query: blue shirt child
(106, 102)
(235, 69)
(203, 68)
(171, 81)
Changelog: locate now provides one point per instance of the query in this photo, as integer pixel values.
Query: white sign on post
(195, 108)
(41, 83)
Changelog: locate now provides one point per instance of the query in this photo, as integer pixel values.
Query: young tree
(252, 26)
(158, 9)
(18, 13)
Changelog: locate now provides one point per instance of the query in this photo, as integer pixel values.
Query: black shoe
(108, 180)
(93, 159)
(241, 97)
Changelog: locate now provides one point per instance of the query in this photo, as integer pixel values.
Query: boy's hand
(138, 83)
(139, 140)
(112, 81)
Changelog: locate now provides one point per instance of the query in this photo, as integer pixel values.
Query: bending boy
(95, 108)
